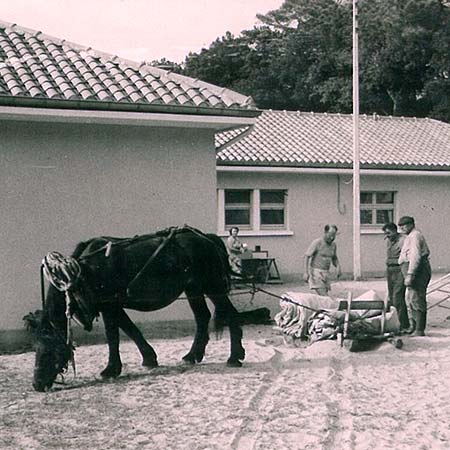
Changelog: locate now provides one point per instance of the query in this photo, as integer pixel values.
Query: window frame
(240, 206)
(274, 206)
(374, 207)
(256, 227)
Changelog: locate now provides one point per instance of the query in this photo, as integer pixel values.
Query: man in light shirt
(318, 259)
(416, 270)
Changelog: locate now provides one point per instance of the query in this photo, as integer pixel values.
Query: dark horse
(143, 273)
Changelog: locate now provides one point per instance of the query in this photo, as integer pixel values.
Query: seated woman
(235, 249)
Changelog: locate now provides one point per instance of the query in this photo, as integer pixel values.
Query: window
(238, 208)
(377, 208)
(252, 209)
(272, 209)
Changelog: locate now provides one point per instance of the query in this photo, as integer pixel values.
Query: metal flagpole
(356, 178)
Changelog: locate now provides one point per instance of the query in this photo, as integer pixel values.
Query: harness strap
(117, 242)
(152, 257)
(69, 317)
(42, 286)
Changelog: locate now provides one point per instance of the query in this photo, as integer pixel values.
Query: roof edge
(37, 102)
(243, 100)
(373, 116)
(234, 166)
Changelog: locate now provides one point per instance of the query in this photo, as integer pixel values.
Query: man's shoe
(412, 327)
(418, 333)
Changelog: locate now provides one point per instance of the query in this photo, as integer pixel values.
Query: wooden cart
(355, 340)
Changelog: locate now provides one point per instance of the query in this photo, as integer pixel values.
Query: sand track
(316, 397)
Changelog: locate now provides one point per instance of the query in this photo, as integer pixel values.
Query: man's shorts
(319, 279)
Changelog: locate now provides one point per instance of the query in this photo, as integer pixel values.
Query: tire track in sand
(339, 420)
(245, 440)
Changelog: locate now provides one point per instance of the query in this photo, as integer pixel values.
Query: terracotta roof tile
(281, 138)
(35, 65)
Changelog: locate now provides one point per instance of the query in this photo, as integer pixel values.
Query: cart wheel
(398, 343)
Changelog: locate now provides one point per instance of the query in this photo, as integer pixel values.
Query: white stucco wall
(427, 199)
(63, 183)
(313, 202)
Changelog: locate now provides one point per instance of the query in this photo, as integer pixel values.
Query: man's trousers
(416, 294)
(397, 290)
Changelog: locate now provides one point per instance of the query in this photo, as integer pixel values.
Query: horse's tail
(223, 257)
(226, 261)
(223, 254)
(223, 317)
(221, 249)
(219, 322)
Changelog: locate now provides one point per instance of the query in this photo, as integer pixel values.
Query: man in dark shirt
(395, 280)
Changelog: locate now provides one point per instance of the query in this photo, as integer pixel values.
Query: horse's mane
(80, 248)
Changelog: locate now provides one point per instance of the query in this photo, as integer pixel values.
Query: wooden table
(263, 269)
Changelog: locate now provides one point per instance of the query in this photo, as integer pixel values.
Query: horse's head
(52, 351)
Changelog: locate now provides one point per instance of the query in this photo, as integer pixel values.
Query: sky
(139, 30)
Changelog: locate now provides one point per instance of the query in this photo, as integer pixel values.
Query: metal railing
(440, 286)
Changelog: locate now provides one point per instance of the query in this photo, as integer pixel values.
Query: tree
(239, 63)
(318, 59)
(437, 86)
(398, 42)
(165, 64)
(287, 62)
(300, 57)
(222, 63)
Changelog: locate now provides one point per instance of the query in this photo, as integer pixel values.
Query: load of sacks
(314, 317)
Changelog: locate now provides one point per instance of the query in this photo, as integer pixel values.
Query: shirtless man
(318, 259)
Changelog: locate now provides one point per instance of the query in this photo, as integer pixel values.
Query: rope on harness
(63, 272)
(323, 311)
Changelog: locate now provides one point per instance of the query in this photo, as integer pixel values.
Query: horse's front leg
(149, 358)
(111, 322)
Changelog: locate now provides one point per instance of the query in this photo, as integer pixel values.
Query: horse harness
(64, 272)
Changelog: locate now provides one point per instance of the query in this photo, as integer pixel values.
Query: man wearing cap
(394, 276)
(318, 259)
(416, 270)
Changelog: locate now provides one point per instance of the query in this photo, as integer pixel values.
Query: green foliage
(397, 39)
(300, 57)
(165, 64)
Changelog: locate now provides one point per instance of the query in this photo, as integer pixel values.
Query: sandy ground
(316, 397)
(319, 396)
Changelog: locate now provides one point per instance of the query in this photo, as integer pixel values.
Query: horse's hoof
(151, 363)
(110, 372)
(234, 363)
(188, 359)
(241, 354)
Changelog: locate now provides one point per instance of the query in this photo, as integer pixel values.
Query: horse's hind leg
(149, 358)
(202, 316)
(226, 314)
